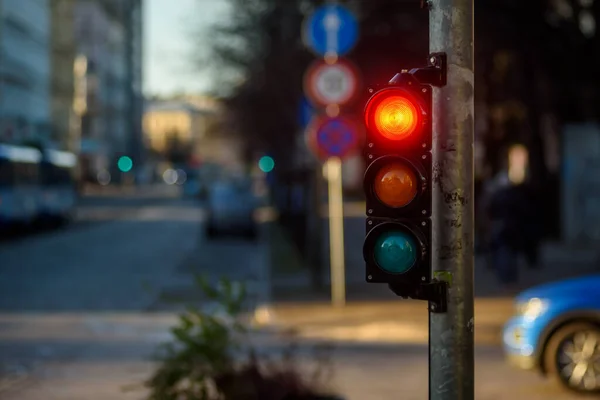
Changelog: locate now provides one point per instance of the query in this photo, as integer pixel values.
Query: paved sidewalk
(92, 355)
(112, 359)
(401, 321)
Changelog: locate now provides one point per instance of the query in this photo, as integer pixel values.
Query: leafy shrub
(211, 358)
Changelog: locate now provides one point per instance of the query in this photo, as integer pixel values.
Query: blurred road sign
(326, 84)
(333, 137)
(331, 29)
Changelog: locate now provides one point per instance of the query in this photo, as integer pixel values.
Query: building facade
(180, 121)
(108, 35)
(62, 88)
(192, 122)
(91, 27)
(135, 98)
(25, 70)
(71, 77)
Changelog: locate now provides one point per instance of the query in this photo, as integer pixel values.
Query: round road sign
(333, 137)
(326, 84)
(332, 28)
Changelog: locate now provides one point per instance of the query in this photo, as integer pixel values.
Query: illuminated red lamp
(394, 114)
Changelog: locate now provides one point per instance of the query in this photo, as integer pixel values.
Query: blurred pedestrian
(503, 241)
(515, 230)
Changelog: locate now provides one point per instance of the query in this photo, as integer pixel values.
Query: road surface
(83, 308)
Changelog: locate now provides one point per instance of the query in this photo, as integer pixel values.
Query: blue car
(556, 331)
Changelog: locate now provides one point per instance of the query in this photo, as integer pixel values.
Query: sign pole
(451, 334)
(331, 31)
(333, 172)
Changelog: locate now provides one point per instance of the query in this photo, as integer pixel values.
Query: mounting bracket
(435, 292)
(434, 74)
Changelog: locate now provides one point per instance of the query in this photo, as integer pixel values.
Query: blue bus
(20, 195)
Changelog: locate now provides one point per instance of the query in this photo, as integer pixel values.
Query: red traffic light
(394, 114)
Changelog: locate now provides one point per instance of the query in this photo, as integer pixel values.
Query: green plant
(211, 358)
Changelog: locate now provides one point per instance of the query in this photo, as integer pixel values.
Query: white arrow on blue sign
(331, 29)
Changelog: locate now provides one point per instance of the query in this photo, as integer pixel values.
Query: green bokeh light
(125, 164)
(266, 164)
(395, 252)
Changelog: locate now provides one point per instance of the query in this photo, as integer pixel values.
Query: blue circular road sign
(331, 29)
(334, 137)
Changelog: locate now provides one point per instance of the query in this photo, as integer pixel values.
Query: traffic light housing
(397, 183)
(398, 180)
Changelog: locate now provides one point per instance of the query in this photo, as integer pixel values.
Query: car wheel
(572, 357)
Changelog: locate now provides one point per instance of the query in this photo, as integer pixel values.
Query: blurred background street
(146, 143)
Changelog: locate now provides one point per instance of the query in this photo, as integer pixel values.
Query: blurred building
(206, 103)
(191, 121)
(25, 70)
(63, 51)
(127, 20)
(174, 120)
(135, 97)
(108, 34)
(92, 27)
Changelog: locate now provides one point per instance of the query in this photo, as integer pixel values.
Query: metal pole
(451, 334)
(333, 169)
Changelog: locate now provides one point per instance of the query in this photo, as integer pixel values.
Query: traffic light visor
(396, 184)
(393, 114)
(395, 251)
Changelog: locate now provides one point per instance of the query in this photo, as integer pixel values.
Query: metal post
(333, 169)
(451, 334)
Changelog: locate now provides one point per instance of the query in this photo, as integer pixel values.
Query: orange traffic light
(396, 185)
(394, 114)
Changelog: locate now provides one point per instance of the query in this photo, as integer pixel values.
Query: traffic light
(125, 164)
(397, 182)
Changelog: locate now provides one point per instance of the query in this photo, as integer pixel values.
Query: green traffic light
(266, 164)
(395, 252)
(125, 164)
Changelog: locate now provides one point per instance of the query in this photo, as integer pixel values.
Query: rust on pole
(451, 354)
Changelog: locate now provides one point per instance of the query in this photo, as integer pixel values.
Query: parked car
(556, 331)
(230, 208)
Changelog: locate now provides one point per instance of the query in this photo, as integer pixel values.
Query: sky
(166, 50)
